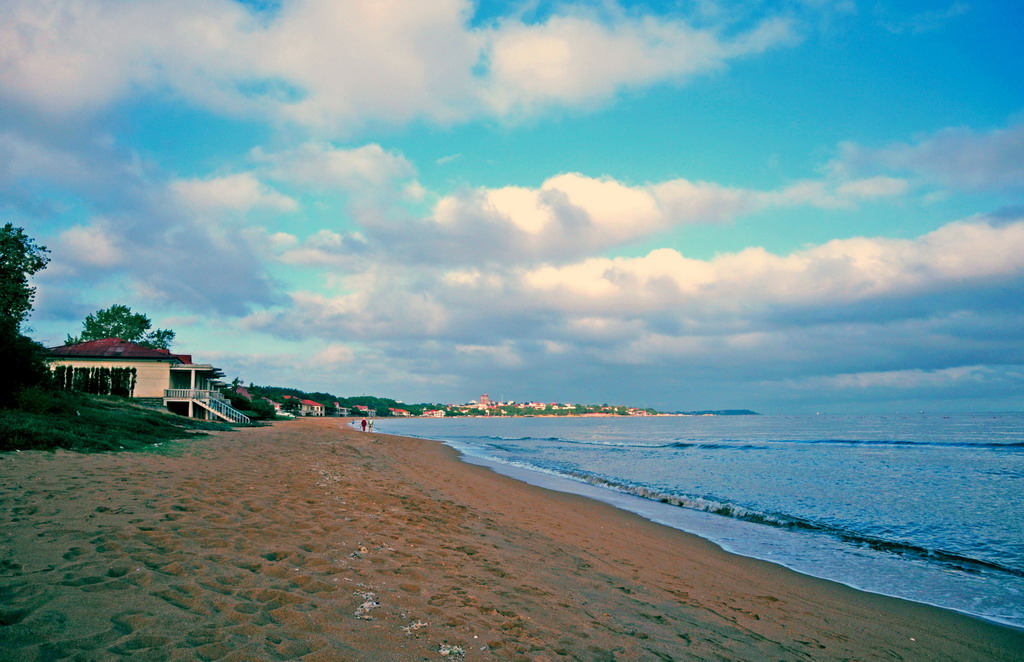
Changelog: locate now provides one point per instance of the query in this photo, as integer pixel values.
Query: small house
(156, 375)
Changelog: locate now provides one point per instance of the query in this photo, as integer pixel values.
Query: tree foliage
(119, 321)
(22, 358)
(20, 257)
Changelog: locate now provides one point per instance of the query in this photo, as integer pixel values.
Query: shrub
(95, 381)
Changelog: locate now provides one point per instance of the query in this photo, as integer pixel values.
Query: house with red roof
(186, 388)
(311, 408)
(306, 407)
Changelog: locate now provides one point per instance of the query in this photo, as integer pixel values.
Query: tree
(20, 257)
(22, 358)
(119, 321)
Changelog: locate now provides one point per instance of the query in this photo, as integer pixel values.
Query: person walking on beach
(364, 425)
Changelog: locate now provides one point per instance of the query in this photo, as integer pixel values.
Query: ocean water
(923, 507)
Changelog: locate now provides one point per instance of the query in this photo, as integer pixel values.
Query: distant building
(305, 407)
(311, 408)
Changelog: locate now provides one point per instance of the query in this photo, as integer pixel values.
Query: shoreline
(663, 514)
(310, 540)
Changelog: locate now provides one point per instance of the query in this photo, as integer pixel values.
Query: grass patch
(47, 420)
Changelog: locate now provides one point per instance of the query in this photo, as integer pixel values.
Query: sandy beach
(309, 540)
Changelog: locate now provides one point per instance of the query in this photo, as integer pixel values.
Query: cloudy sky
(798, 206)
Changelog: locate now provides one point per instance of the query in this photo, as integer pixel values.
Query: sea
(917, 506)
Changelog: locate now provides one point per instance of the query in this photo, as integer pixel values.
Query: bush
(263, 410)
(95, 381)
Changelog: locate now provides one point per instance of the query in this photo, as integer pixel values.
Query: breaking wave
(756, 444)
(779, 520)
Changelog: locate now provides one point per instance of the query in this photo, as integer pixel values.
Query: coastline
(310, 540)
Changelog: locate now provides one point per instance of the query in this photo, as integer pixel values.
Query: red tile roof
(116, 348)
(311, 403)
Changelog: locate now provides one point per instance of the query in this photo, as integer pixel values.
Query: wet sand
(307, 540)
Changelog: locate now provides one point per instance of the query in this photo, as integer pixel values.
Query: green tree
(119, 321)
(263, 410)
(22, 358)
(20, 257)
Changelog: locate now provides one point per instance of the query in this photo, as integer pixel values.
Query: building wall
(151, 377)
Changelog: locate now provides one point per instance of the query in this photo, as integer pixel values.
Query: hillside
(48, 420)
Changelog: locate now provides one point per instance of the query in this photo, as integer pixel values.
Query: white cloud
(575, 58)
(662, 294)
(842, 270)
(241, 192)
(90, 246)
(324, 166)
(335, 355)
(322, 249)
(571, 215)
(337, 66)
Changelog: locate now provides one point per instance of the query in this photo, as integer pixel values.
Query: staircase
(224, 410)
(211, 401)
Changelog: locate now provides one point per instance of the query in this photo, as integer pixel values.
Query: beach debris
(409, 629)
(452, 652)
(369, 603)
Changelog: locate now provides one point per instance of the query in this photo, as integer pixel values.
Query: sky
(793, 207)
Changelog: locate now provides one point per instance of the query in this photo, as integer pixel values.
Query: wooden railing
(226, 411)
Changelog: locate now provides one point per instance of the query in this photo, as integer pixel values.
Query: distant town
(287, 401)
(298, 403)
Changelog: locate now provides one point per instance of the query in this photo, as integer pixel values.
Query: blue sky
(791, 206)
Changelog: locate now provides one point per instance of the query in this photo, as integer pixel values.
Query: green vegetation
(96, 381)
(34, 412)
(45, 419)
(119, 321)
(20, 257)
(381, 405)
(21, 357)
(256, 409)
